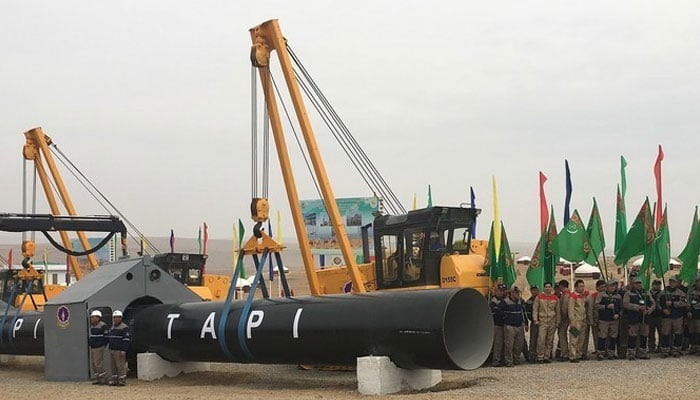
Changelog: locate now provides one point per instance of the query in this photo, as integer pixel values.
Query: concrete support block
(151, 367)
(5, 358)
(378, 376)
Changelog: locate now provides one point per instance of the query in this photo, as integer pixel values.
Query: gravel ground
(654, 379)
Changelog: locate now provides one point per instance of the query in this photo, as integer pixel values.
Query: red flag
(204, 246)
(657, 175)
(9, 260)
(544, 210)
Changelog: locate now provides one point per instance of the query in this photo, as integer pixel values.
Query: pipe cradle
(437, 329)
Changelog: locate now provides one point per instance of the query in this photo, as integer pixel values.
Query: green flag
(623, 179)
(430, 197)
(689, 255)
(505, 260)
(241, 233)
(594, 230)
(199, 240)
(491, 259)
(645, 269)
(640, 235)
(662, 250)
(620, 221)
(535, 272)
(551, 259)
(572, 241)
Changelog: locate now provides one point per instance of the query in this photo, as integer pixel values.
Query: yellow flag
(496, 218)
(279, 228)
(415, 201)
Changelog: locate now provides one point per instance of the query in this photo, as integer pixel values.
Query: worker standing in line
(98, 342)
(577, 321)
(534, 329)
(119, 341)
(563, 328)
(514, 327)
(545, 314)
(497, 303)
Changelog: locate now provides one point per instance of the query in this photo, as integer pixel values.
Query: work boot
(642, 354)
(600, 357)
(121, 382)
(630, 355)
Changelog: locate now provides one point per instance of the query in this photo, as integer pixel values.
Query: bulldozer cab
(408, 248)
(185, 268)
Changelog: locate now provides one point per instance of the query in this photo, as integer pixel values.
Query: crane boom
(37, 149)
(267, 37)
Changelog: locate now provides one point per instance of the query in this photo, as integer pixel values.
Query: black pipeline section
(22, 334)
(437, 329)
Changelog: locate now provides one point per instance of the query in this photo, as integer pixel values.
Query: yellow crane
(409, 263)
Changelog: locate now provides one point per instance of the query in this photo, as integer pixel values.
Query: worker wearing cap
(119, 341)
(577, 321)
(694, 316)
(97, 340)
(638, 307)
(592, 318)
(674, 306)
(545, 314)
(514, 325)
(654, 319)
(608, 306)
(534, 329)
(498, 317)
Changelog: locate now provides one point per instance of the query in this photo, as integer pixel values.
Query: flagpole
(605, 266)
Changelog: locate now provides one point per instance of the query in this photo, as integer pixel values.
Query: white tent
(638, 262)
(587, 269)
(523, 259)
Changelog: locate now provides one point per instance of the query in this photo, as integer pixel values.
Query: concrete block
(378, 376)
(151, 367)
(4, 358)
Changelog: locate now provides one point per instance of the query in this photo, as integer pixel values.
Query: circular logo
(63, 317)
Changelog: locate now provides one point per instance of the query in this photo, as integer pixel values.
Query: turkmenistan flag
(535, 272)
(620, 221)
(551, 259)
(572, 241)
(594, 230)
(640, 235)
(492, 266)
(689, 255)
(505, 260)
(662, 244)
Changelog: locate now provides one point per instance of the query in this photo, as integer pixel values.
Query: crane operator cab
(428, 248)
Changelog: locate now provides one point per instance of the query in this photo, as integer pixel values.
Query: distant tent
(524, 260)
(585, 269)
(638, 262)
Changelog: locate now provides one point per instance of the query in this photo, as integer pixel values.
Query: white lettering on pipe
(209, 326)
(36, 324)
(295, 327)
(171, 318)
(18, 324)
(254, 320)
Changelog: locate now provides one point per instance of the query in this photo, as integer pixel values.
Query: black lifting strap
(78, 253)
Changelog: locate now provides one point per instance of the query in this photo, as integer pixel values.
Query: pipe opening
(468, 329)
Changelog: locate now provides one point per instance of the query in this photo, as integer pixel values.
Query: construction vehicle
(40, 149)
(404, 258)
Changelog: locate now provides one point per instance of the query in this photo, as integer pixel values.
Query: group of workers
(622, 321)
(115, 338)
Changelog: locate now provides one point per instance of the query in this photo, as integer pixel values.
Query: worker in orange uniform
(545, 314)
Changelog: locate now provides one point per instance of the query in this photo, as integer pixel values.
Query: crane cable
(75, 171)
(354, 148)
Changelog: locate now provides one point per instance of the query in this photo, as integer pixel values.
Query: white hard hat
(96, 313)
(117, 313)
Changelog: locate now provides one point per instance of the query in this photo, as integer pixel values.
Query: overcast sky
(152, 101)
